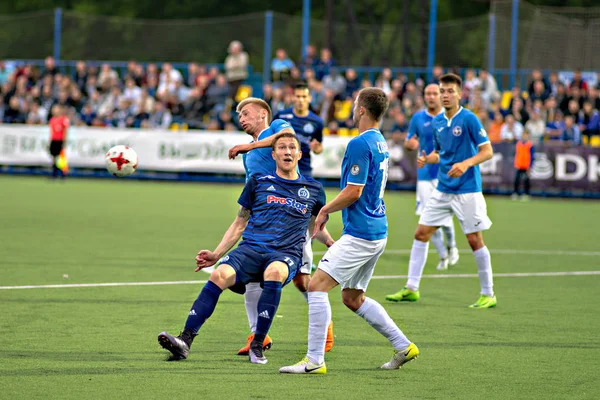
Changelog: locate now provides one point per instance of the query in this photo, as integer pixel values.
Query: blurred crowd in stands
(198, 97)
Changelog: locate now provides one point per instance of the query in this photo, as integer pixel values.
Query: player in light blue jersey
(270, 252)
(351, 260)
(420, 135)
(460, 145)
(254, 116)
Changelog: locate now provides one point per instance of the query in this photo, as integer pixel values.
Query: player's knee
(273, 273)
(423, 233)
(218, 277)
(353, 303)
(475, 241)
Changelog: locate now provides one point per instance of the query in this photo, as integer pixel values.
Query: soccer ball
(121, 161)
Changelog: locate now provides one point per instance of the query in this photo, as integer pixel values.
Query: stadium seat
(326, 132)
(243, 92)
(343, 132)
(595, 141)
(354, 132)
(584, 140)
(342, 110)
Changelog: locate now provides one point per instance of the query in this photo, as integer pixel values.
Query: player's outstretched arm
(207, 258)
(266, 142)
(485, 153)
(344, 199)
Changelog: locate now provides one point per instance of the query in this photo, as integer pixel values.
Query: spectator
(81, 75)
(281, 66)
(512, 130)
(554, 126)
(217, 94)
(236, 66)
(494, 129)
(107, 76)
(334, 82)
(578, 82)
(538, 92)
(594, 98)
(37, 114)
(470, 83)
(589, 120)
(489, 87)
(553, 83)
(131, 93)
(384, 81)
(352, 83)
(518, 111)
(570, 133)
(310, 60)
(436, 73)
(535, 126)
(161, 117)
(324, 64)
(50, 66)
(400, 126)
(537, 76)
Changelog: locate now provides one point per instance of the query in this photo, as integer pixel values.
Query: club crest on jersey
(296, 205)
(355, 169)
(482, 133)
(457, 131)
(308, 128)
(304, 193)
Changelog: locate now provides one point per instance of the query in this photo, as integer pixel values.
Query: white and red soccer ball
(121, 161)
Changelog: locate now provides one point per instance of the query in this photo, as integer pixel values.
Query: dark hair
(285, 135)
(375, 101)
(451, 78)
(301, 85)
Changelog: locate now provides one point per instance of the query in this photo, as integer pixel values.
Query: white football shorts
(351, 261)
(469, 208)
(424, 190)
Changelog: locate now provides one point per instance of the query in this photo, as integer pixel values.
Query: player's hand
(314, 144)
(239, 149)
(413, 143)
(320, 223)
(204, 259)
(422, 159)
(457, 170)
(329, 242)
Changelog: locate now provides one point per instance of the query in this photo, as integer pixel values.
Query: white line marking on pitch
(435, 276)
(507, 251)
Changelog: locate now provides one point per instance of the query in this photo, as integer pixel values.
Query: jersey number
(384, 165)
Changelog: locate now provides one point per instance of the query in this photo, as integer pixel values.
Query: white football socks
(484, 269)
(253, 292)
(437, 239)
(449, 234)
(418, 258)
(319, 315)
(376, 316)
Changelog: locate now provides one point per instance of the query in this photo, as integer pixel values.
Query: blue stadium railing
(256, 78)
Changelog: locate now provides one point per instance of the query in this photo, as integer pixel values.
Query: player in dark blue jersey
(351, 260)
(254, 115)
(307, 125)
(276, 210)
(460, 145)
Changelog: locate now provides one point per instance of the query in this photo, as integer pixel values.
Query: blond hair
(255, 100)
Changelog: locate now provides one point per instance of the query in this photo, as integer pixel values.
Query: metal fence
(543, 37)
